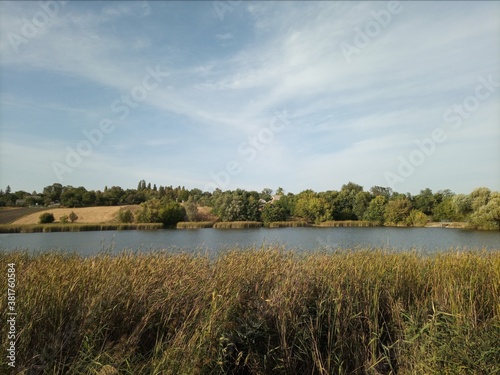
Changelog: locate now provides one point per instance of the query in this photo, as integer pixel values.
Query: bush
(417, 218)
(125, 216)
(73, 217)
(272, 212)
(47, 218)
(64, 219)
(171, 214)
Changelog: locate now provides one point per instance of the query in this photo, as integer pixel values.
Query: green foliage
(47, 218)
(425, 201)
(397, 211)
(361, 203)
(417, 218)
(462, 204)
(238, 205)
(191, 210)
(171, 214)
(479, 197)
(125, 216)
(64, 219)
(313, 208)
(350, 203)
(273, 212)
(487, 216)
(161, 211)
(73, 217)
(445, 211)
(376, 209)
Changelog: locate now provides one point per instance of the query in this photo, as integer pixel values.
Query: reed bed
(39, 228)
(348, 223)
(195, 224)
(237, 224)
(287, 224)
(257, 311)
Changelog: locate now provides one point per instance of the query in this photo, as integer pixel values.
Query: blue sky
(250, 95)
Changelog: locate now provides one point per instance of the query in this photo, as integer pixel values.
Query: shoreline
(84, 227)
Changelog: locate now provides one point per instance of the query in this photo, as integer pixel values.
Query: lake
(214, 240)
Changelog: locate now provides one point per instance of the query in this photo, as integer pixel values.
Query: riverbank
(80, 227)
(74, 227)
(257, 311)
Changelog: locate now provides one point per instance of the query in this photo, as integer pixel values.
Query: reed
(256, 311)
(348, 223)
(237, 224)
(195, 224)
(287, 224)
(39, 228)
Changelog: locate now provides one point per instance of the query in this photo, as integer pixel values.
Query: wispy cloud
(351, 120)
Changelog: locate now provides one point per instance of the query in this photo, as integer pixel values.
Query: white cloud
(225, 36)
(350, 119)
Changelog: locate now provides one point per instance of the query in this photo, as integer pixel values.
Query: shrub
(417, 218)
(47, 218)
(171, 214)
(272, 212)
(64, 219)
(73, 217)
(125, 216)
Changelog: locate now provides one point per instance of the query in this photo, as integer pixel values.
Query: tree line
(382, 205)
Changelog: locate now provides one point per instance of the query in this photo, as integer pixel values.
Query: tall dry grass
(257, 311)
(195, 224)
(75, 227)
(237, 224)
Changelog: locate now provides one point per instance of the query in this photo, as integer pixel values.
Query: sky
(252, 95)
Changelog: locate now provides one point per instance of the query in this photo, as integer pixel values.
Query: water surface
(214, 240)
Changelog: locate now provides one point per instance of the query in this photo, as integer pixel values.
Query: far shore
(26, 220)
(82, 227)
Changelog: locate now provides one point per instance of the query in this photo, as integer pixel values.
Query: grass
(86, 215)
(348, 223)
(55, 227)
(237, 224)
(287, 224)
(257, 311)
(10, 214)
(195, 224)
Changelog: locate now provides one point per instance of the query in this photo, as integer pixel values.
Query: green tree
(417, 218)
(488, 215)
(462, 204)
(361, 203)
(171, 214)
(163, 211)
(479, 197)
(64, 219)
(376, 209)
(266, 194)
(47, 218)
(73, 217)
(386, 192)
(191, 210)
(125, 216)
(396, 211)
(53, 192)
(150, 211)
(444, 211)
(272, 212)
(72, 197)
(425, 201)
(313, 208)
